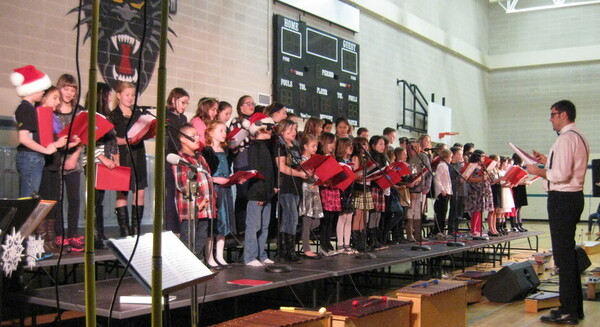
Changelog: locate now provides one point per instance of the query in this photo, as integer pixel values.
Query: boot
(99, 237)
(123, 220)
(410, 230)
(50, 240)
(513, 225)
(521, 228)
(291, 255)
(281, 246)
(42, 231)
(356, 241)
(137, 213)
(417, 230)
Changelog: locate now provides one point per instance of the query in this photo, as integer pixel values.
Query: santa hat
(29, 80)
(257, 122)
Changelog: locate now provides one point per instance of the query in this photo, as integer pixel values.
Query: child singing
(205, 195)
(310, 209)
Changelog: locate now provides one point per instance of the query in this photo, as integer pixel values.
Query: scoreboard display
(316, 73)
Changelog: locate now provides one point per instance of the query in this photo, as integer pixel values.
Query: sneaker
(62, 241)
(76, 243)
(268, 261)
(254, 263)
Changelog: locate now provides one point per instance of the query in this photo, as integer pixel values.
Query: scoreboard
(316, 73)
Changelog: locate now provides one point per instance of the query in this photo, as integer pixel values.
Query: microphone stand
(278, 267)
(192, 188)
(420, 246)
(365, 254)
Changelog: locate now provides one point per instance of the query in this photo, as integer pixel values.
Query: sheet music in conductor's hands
(526, 157)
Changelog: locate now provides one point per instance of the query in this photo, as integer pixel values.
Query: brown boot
(417, 230)
(409, 230)
(50, 237)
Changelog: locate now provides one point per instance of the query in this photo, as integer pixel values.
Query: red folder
(116, 179)
(515, 175)
(236, 136)
(80, 127)
(45, 117)
(249, 282)
(468, 169)
(144, 128)
(388, 179)
(489, 164)
(401, 168)
(342, 180)
(325, 167)
(235, 178)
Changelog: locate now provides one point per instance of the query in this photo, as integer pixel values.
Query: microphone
(175, 159)
(260, 123)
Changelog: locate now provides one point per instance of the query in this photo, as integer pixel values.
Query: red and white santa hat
(252, 126)
(29, 80)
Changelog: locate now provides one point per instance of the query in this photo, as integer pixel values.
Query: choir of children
(365, 214)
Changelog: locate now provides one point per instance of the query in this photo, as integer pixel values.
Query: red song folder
(80, 127)
(116, 179)
(238, 175)
(515, 175)
(342, 180)
(45, 117)
(325, 167)
(468, 169)
(388, 179)
(401, 168)
(489, 164)
(144, 128)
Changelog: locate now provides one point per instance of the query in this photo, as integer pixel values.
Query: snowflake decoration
(13, 247)
(35, 248)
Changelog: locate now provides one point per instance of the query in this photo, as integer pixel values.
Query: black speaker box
(511, 283)
(595, 177)
(583, 261)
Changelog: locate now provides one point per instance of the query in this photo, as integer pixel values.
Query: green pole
(159, 172)
(90, 268)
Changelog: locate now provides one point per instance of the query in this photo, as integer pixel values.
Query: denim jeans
(257, 231)
(30, 166)
(289, 213)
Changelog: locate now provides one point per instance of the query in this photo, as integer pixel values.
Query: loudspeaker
(511, 283)
(583, 261)
(595, 177)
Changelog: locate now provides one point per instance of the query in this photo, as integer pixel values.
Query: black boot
(137, 213)
(291, 255)
(99, 237)
(281, 246)
(521, 228)
(513, 225)
(123, 220)
(358, 240)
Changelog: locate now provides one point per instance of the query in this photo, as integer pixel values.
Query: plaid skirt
(358, 200)
(331, 199)
(378, 199)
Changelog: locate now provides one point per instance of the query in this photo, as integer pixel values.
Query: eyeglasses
(554, 113)
(250, 103)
